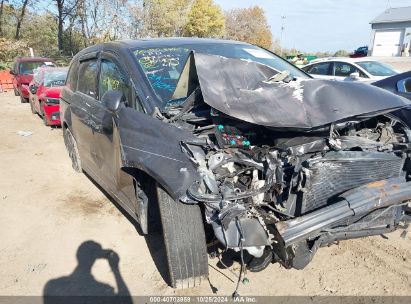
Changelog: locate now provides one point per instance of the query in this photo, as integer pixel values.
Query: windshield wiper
(188, 104)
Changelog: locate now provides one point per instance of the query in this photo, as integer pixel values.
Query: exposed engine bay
(256, 178)
(291, 190)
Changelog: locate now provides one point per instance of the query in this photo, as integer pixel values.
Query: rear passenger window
(87, 80)
(319, 69)
(71, 80)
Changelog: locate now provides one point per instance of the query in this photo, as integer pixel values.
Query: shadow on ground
(154, 240)
(81, 286)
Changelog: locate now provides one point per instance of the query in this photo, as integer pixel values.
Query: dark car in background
(23, 70)
(399, 84)
(45, 89)
(360, 52)
(222, 142)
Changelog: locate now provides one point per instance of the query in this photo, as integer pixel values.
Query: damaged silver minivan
(226, 143)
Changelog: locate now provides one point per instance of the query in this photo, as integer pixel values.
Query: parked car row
(39, 81)
(222, 145)
(45, 89)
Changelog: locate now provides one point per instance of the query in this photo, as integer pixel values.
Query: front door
(105, 137)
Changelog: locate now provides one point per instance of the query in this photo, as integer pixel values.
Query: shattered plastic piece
(24, 133)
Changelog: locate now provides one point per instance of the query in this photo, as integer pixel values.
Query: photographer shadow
(81, 282)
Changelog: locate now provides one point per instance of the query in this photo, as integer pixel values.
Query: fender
(153, 146)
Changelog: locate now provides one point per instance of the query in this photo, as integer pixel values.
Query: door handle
(93, 126)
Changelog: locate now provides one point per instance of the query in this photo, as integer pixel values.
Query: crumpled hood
(240, 89)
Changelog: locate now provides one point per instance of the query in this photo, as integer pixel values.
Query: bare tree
(64, 8)
(20, 19)
(1, 17)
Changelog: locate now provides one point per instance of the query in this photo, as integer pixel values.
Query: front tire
(72, 149)
(16, 93)
(43, 115)
(184, 239)
(33, 110)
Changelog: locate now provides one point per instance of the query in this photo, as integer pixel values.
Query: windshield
(376, 68)
(55, 78)
(28, 67)
(163, 65)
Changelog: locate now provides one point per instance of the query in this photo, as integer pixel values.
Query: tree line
(58, 28)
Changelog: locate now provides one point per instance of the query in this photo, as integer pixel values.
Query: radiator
(339, 171)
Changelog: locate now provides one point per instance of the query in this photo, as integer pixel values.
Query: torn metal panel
(242, 89)
(154, 147)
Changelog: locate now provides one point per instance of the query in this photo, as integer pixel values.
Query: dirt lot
(47, 211)
(402, 64)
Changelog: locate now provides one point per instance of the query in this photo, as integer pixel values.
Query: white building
(391, 32)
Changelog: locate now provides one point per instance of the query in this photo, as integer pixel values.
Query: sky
(320, 25)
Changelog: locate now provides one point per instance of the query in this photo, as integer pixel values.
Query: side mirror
(355, 75)
(112, 100)
(33, 89)
(404, 85)
(12, 72)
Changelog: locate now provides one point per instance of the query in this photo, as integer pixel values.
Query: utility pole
(281, 36)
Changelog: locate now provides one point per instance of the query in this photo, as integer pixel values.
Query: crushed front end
(264, 189)
(290, 165)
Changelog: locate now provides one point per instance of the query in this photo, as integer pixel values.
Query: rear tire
(23, 100)
(16, 93)
(72, 149)
(184, 239)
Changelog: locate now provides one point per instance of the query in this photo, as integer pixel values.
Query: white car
(349, 69)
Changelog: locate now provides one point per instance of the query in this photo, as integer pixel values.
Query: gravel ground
(47, 211)
(402, 64)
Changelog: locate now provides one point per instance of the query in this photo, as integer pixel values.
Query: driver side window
(343, 69)
(112, 78)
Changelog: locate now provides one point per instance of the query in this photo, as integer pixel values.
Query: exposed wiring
(225, 266)
(242, 268)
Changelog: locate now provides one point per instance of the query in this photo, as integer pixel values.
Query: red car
(45, 94)
(23, 70)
